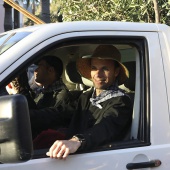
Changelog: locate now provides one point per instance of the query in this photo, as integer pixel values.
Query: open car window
(133, 57)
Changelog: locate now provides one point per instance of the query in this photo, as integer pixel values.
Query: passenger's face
(103, 73)
(41, 73)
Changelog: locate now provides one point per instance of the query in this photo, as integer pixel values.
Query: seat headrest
(130, 82)
(72, 74)
(87, 82)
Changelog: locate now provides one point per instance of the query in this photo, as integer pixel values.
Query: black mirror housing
(15, 129)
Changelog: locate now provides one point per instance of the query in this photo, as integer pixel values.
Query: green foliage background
(110, 10)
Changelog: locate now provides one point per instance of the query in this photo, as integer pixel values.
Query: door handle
(150, 164)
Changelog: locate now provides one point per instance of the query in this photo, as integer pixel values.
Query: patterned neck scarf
(56, 86)
(110, 92)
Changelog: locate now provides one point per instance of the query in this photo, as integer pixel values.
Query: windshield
(8, 40)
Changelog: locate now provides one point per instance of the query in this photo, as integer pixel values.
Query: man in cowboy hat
(103, 114)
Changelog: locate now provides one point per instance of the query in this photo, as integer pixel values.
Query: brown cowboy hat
(105, 52)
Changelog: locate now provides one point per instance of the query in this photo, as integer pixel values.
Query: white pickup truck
(145, 50)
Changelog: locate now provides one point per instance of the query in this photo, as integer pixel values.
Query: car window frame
(141, 45)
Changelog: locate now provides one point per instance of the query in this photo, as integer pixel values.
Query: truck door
(147, 143)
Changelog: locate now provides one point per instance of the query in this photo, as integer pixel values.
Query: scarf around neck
(110, 92)
(56, 86)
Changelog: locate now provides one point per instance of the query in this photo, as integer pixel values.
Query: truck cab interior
(78, 84)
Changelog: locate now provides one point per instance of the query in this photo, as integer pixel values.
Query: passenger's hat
(103, 52)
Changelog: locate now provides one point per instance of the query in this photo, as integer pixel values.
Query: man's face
(41, 73)
(103, 73)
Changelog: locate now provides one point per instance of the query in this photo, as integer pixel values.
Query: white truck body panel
(158, 43)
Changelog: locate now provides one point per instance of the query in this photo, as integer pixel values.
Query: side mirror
(15, 129)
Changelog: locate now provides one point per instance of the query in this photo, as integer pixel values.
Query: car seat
(73, 77)
(129, 87)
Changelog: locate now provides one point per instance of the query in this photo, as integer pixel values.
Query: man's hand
(10, 88)
(62, 148)
(18, 84)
